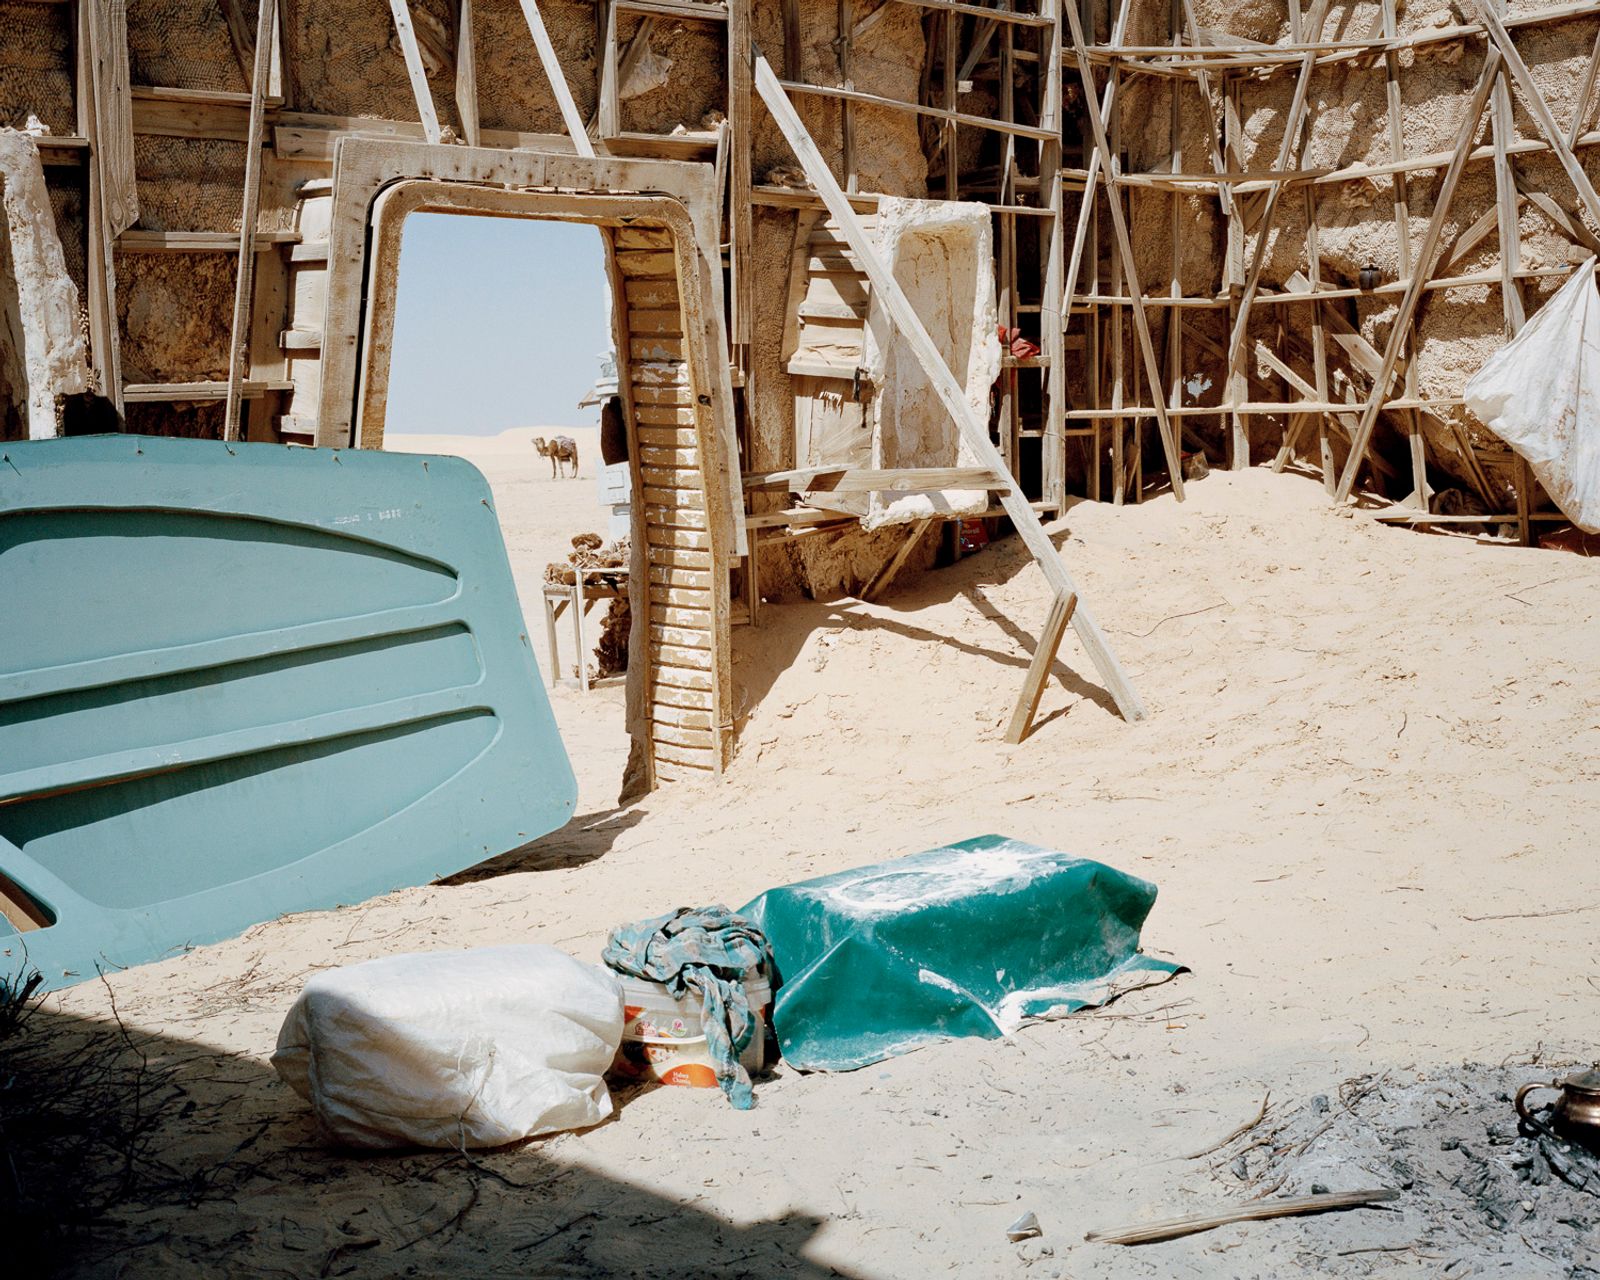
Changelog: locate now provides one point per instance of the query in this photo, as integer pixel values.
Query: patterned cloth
(708, 950)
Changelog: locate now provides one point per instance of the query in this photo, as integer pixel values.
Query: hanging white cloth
(1540, 393)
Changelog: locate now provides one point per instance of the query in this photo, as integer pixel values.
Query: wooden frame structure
(1151, 276)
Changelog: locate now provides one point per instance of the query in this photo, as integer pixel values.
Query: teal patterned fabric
(709, 951)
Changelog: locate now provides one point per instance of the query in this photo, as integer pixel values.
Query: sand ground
(1367, 791)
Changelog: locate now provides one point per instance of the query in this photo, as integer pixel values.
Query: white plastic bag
(1540, 393)
(454, 1048)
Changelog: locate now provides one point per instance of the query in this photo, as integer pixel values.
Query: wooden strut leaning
(974, 433)
(244, 282)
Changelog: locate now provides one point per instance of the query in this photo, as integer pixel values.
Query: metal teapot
(1577, 1110)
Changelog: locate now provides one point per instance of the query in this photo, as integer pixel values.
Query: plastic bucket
(662, 1038)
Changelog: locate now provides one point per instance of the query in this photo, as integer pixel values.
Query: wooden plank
(740, 141)
(666, 324)
(674, 616)
(557, 79)
(677, 517)
(684, 548)
(681, 717)
(1044, 657)
(886, 574)
(1292, 135)
(104, 340)
(113, 109)
(655, 348)
(685, 762)
(678, 499)
(683, 679)
(1424, 263)
(608, 107)
(887, 480)
(1533, 101)
(666, 576)
(793, 66)
(672, 736)
(244, 277)
(667, 770)
(1141, 323)
(669, 457)
(1581, 107)
(161, 392)
(652, 294)
(647, 264)
(467, 75)
(945, 114)
(678, 598)
(637, 237)
(670, 477)
(950, 392)
(695, 699)
(675, 416)
(682, 637)
(678, 656)
(683, 440)
(421, 94)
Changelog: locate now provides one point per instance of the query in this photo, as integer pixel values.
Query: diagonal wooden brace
(1044, 657)
(974, 434)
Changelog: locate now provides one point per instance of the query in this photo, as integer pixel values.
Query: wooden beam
(113, 108)
(1044, 657)
(558, 80)
(793, 62)
(945, 114)
(467, 75)
(891, 567)
(1425, 258)
(244, 279)
(1141, 323)
(608, 109)
(420, 91)
(740, 142)
(241, 37)
(1287, 149)
(868, 480)
(892, 298)
(1536, 107)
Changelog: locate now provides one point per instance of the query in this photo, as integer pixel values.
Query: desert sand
(1367, 791)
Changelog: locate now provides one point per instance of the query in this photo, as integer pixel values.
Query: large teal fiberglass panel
(240, 680)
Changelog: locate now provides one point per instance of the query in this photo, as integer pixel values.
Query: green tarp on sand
(973, 939)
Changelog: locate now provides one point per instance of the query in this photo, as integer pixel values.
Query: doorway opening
(502, 338)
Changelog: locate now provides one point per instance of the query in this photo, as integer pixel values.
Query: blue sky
(499, 323)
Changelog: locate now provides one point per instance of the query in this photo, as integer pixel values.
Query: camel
(561, 449)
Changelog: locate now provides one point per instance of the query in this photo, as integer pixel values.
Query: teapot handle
(1523, 1092)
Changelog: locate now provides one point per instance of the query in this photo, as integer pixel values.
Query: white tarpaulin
(1540, 393)
(454, 1048)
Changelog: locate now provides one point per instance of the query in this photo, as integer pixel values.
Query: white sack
(1540, 393)
(454, 1048)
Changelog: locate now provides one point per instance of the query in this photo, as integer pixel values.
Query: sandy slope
(1372, 753)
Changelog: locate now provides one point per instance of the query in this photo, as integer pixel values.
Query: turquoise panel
(241, 680)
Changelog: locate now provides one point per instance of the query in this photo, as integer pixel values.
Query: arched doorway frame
(660, 225)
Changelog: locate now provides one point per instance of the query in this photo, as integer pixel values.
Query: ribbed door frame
(673, 370)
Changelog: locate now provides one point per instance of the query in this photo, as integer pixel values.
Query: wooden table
(578, 598)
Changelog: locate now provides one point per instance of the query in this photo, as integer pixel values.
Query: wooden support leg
(892, 566)
(1044, 657)
(579, 608)
(550, 639)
